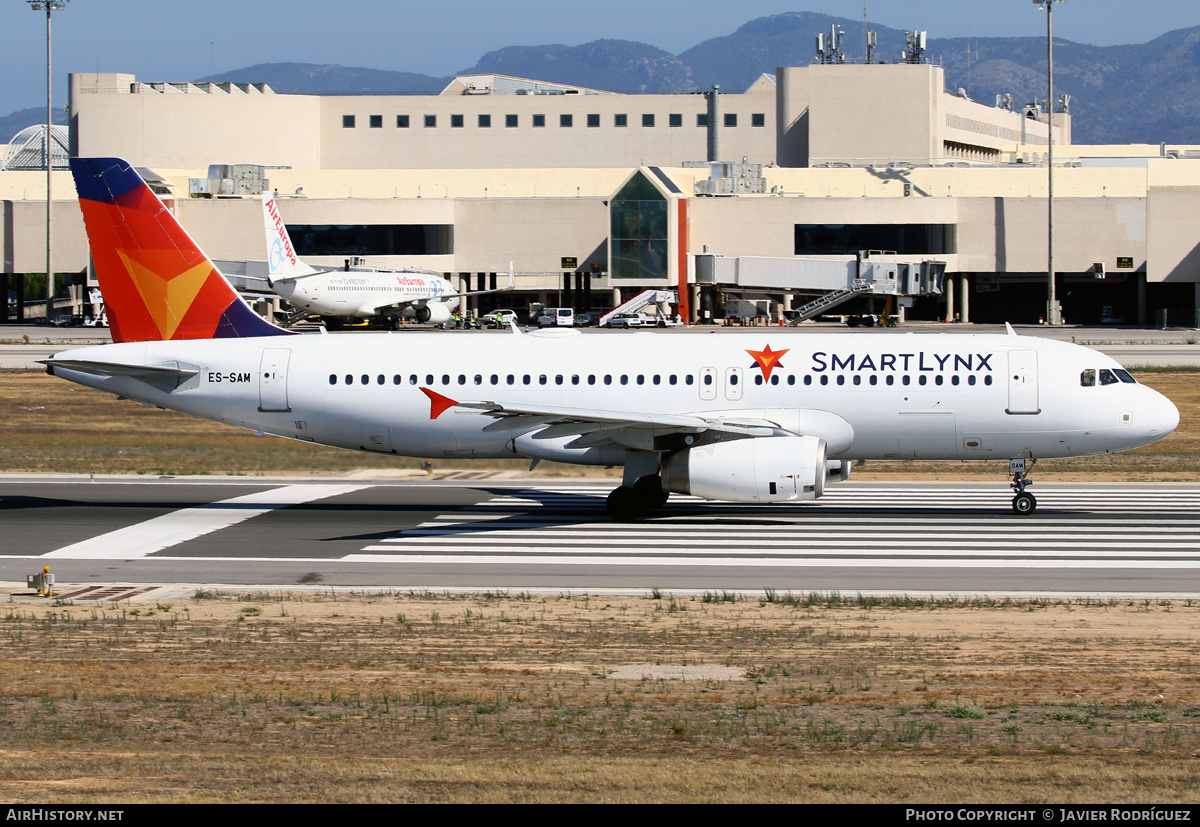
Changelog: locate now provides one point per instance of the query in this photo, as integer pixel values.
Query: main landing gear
(626, 504)
(1023, 503)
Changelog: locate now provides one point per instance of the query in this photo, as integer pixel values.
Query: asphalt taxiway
(1084, 540)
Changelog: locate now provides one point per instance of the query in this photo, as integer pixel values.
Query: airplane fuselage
(361, 294)
(899, 396)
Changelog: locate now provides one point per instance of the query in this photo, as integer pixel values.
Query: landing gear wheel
(1024, 503)
(649, 491)
(623, 505)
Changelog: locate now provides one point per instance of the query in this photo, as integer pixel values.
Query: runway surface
(1136, 540)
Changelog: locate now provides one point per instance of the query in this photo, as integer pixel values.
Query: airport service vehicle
(338, 295)
(556, 317)
(758, 417)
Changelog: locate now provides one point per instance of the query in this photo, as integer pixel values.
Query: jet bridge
(827, 280)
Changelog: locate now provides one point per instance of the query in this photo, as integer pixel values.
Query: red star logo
(768, 360)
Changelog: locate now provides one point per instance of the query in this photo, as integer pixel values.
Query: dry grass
(510, 697)
(53, 426)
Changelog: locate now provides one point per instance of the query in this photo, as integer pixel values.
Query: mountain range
(1144, 93)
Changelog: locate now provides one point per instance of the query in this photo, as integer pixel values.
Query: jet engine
(752, 470)
(436, 312)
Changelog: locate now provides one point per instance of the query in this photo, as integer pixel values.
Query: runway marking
(146, 538)
(561, 525)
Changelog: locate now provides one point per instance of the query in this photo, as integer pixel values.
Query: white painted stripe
(935, 550)
(743, 563)
(189, 523)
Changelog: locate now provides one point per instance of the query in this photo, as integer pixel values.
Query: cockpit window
(1107, 377)
(1088, 378)
(1124, 376)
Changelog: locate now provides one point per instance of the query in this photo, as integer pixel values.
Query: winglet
(1008, 327)
(438, 404)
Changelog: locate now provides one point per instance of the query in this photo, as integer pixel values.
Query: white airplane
(758, 417)
(336, 295)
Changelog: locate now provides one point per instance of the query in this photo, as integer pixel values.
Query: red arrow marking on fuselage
(438, 404)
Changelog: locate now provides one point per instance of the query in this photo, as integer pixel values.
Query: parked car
(499, 318)
(584, 319)
(627, 320)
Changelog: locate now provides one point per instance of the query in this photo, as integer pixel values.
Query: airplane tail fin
(281, 255)
(157, 283)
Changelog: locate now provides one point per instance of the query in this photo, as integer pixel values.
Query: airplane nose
(1164, 416)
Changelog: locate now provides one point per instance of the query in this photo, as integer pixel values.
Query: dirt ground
(331, 696)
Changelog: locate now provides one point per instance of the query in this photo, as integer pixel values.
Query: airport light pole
(49, 6)
(1052, 314)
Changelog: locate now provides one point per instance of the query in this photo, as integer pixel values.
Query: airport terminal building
(870, 171)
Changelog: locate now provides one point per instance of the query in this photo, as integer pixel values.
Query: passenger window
(397, 379)
(445, 379)
(906, 379)
(657, 379)
(333, 378)
(575, 379)
(708, 380)
(462, 379)
(478, 379)
(379, 380)
(808, 379)
(1087, 379)
(624, 379)
(971, 379)
(689, 379)
(641, 380)
(758, 380)
(366, 380)
(841, 380)
(591, 378)
(525, 379)
(672, 379)
(542, 379)
(495, 379)
(558, 380)
(774, 380)
(857, 379)
(954, 379)
(429, 379)
(1107, 377)
(987, 380)
(733, 379)
(891, 380)
(922, 379)
(824, 379)
(510, 379)
(791, 379)
(608, 378)
(874, 380)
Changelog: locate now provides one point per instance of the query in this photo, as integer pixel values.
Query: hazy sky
(174, 40)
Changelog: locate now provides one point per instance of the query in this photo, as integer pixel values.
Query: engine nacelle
(755, 470)
(436, 312)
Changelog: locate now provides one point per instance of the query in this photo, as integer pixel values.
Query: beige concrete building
(587, 193)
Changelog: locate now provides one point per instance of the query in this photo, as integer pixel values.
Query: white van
(556, 317)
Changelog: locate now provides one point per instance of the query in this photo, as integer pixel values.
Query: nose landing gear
(1023, 503)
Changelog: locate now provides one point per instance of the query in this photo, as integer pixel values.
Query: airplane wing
(398, 306)
(580, 421)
